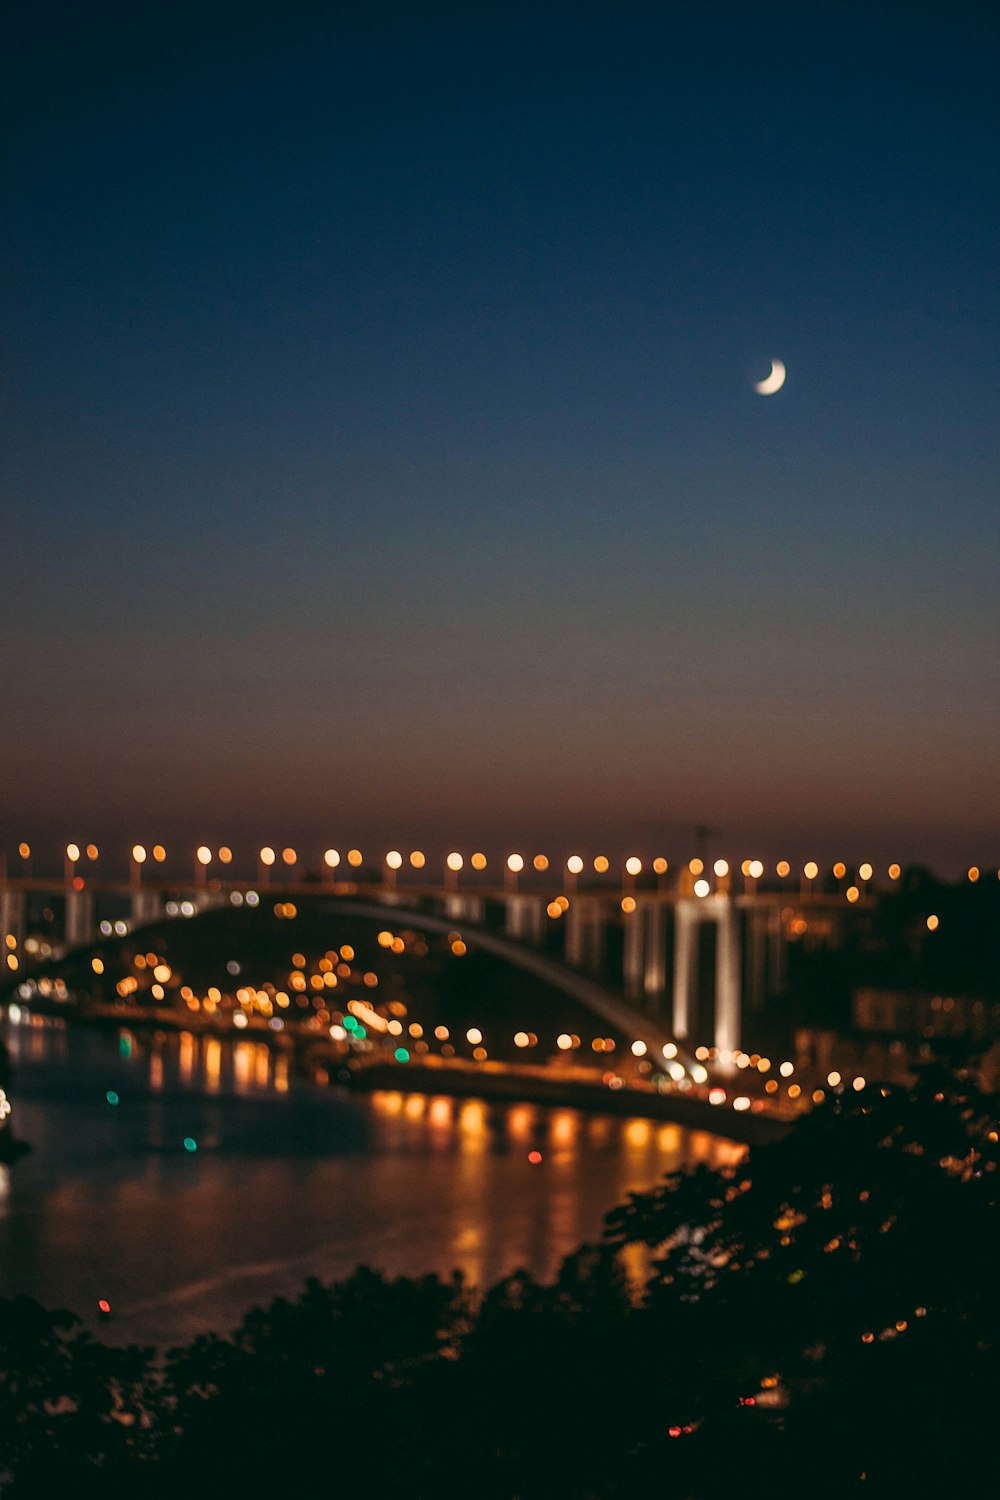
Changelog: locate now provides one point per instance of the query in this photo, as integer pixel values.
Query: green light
(125, 1045)
(190, 1144)
(351, 1022)
(401, 1054)
(360, 1033)
(111, 1096)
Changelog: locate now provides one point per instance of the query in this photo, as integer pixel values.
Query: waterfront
(286, 1179)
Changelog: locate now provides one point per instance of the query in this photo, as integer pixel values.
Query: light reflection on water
(287, 1180)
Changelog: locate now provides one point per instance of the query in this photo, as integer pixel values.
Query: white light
(756, 869)
(454, 861)
(331, 859)
(701, 887)
(338, 1033)
(394, 859)
(574, 864)
(236, 897)
(267, 855)
(515, 863)
(639, 1049)
(721, 867)
(564, 1042)
(741, 1103)
(633, 865)
(252, 898)
(72, 853)
(474, 1035)
(138, 853)
(698, 1073)
(204, 854)
(787, 1069)
(240, 1021)
(669, 1049)
(676, 1071)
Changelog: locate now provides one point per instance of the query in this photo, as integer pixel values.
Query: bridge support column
(634, 957)
(464, 908)
(12, 917)
(685, 965)
(79, 928)
(524, 918)
(146, 906)
(654, 977)
(585, 931)
(728, 1005)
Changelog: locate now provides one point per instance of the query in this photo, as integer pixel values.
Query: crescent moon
(773, 382)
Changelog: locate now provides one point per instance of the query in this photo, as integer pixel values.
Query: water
(287, 1179)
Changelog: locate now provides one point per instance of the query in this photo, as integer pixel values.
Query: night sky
(381, 453)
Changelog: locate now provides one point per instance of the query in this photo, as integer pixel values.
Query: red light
(674, 1431)
(534, 1157)
(104, 1306)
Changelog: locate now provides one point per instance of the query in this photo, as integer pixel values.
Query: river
(183, 1179)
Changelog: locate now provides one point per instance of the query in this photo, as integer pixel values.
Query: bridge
(687, 955)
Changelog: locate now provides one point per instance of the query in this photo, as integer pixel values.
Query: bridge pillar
(686, 919)
(585, 933)
(79, 927)
(689, 915)
(464, 908)
(633, 964)
(12, 919)
(524, 917)
(654, 977)
(146, 906)
(645, 964)
(728, 1004)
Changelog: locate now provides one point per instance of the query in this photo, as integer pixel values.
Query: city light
(574, 864)
(454, 861)
(515, 863)
(331, 858)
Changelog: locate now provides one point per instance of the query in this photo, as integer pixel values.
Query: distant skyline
(381, 457)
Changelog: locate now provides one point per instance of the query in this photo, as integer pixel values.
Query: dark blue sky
(381, 454)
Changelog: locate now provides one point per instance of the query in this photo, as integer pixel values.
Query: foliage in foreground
(822, 1315)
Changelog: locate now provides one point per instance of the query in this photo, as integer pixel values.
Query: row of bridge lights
(751, 869)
